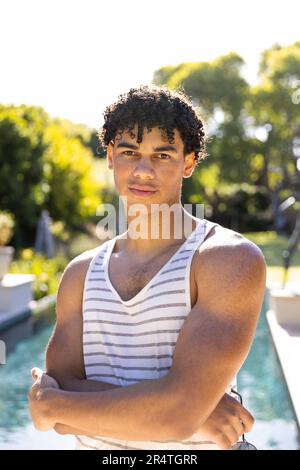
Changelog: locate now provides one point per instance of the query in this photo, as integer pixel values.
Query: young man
(151, 331)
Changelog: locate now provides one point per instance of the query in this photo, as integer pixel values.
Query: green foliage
(45, 164)
(47, 271)
(80, 243)
(272, 246)
(21, 163)
(253, 132)
(44, 312)
(7, 224)
(73, 193)
(219, 91)
(162, 75)
(212, 85)
(274, 104)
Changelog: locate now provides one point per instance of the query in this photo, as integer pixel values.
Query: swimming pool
(260, 382)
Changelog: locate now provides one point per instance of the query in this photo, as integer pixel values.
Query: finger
(242, 413)
(247, 419)
(232, 433)
(227, 436)
(48, 381)
(239, 425)
(36, 373)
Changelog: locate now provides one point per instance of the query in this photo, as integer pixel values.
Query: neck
(153, 232)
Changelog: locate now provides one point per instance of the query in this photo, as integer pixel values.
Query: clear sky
(74, 57)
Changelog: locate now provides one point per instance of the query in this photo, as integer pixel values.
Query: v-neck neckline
(111, 246)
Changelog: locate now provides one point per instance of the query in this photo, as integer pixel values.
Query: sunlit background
(62, 62)
(74, 57)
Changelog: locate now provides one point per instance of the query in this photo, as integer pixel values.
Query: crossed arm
(211, 347)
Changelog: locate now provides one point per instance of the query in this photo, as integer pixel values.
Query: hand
(40, 400)
(227, 423)
(46, 380)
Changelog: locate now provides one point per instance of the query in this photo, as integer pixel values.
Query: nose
(144, 169)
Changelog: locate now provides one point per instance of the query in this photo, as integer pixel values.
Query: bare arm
(218, 333)
(64, 362)
(212, 345)
(64, 355)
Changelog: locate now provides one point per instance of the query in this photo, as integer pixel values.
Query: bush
(73, 193)
(47, 271)
(46, 164)
(21, 162)
(7, 224)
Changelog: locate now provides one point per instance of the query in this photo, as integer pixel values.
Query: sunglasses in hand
(243, 444)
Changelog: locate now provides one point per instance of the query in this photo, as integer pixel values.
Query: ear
(110, 164)
(189, 165)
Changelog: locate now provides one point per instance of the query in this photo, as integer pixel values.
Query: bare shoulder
(229, 269)
(217, 334)
(77, 268)
(70, 290)
(228, 247)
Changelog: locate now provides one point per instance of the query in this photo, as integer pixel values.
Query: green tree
(274, 105)
(21, 165)
(219, 93)
(71, 191)
(44, 164)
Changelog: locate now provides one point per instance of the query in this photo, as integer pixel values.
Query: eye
(128, 152)
(165, 155)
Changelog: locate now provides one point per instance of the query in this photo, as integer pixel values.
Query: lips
(142, 188)
(142, 191)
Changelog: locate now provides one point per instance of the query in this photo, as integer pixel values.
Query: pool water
(265, 394)
(260, 381)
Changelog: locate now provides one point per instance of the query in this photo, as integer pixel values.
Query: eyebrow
(163, 148)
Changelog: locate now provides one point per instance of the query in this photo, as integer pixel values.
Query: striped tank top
(125, 342)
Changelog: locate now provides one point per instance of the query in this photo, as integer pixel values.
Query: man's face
(154, 165)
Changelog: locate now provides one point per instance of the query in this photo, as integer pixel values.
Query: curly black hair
(151, 106)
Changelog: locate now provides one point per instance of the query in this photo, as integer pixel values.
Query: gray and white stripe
(126, 342)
